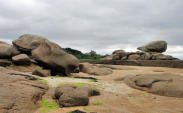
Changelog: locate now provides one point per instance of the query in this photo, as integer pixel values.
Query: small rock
(41, 72)
(21, 59)
(5, 62)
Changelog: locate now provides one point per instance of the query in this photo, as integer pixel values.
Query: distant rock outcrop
(150, 51)
(155, 46)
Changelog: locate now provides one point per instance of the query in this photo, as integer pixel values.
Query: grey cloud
(101, 25)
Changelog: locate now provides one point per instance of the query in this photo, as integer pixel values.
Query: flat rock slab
(164, 84)
(18, 94)
(69, 96)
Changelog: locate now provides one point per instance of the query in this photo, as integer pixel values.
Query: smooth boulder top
(29, 42)
(154, 46)
(164, 84)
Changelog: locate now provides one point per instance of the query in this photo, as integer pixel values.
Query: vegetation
(43, 81)
(91, 55)
(93, 80)
(86, 109)
(46, 106)
(97, 103)
(122, 105)
(74, 84)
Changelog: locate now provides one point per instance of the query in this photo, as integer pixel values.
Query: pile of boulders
(150, 51)
(49, 57)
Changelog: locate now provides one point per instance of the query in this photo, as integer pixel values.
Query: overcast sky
(100, 25)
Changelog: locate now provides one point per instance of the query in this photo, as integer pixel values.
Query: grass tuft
(46, 106)
(74, 84)
(43, 81)
(97, 103)
(92, 80)
(86, 109)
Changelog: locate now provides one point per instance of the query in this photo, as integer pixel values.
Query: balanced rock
(21, 59)
(164, 84)
(155, 46)
(69, 95)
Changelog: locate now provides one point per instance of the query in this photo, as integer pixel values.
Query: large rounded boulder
(164, 84)
(155, 46)
(55, 58)
(47, 54)
(28, 42)
(69, 96)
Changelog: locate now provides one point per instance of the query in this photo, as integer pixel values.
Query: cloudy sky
(100, 25)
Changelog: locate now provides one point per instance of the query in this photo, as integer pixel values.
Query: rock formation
(35, 49)
(164, 84)
(19, 92)
(94, 69)
(155, 46)
(69, 95)
(150, 51)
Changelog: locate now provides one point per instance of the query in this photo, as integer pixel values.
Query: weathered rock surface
(55, 58)
(19, 94)
(69, 95)
(141, 56)
(118, 54)
(41, 72)
(28, 42)
(46, 54)
(155, 46)
(5, 50)
(21, 59)
(164, 84)
(94, 69)
(5, 62)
